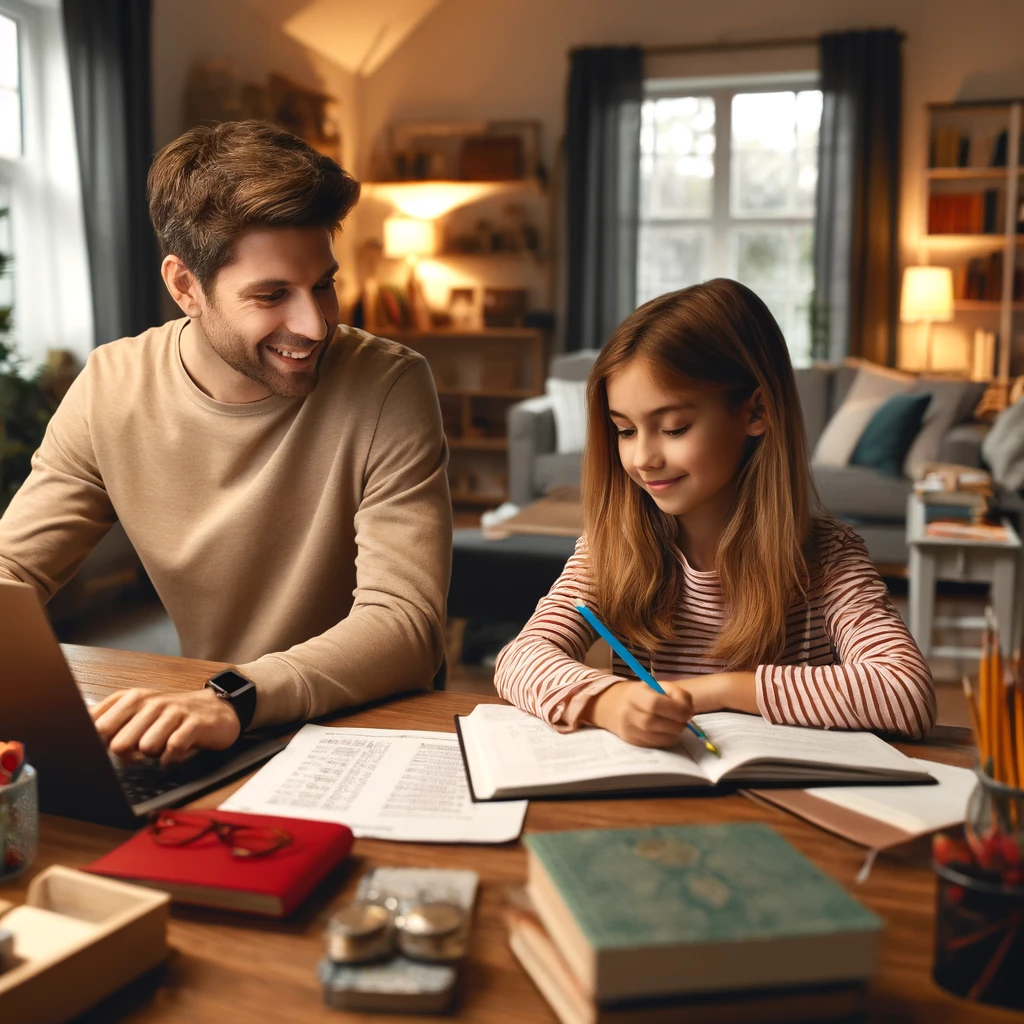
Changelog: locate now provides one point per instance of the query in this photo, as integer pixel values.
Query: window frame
(721, 258)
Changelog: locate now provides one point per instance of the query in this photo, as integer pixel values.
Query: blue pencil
(606, 634)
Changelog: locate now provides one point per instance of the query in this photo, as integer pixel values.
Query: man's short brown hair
(212, 184)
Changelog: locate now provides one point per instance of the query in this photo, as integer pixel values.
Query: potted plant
(27, 402)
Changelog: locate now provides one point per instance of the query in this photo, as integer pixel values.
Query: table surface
(226, 967)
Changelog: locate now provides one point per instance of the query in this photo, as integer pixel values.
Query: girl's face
(684, 447)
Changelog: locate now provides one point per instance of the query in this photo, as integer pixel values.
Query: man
(281, 478)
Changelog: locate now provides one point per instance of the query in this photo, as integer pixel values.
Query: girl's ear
(756, 422)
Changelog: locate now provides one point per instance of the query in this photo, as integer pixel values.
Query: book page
(382, 783)
(748, 740)
(917, 810)
(511, 749)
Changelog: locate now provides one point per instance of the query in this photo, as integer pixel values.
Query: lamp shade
(927, 294)
(409, 238)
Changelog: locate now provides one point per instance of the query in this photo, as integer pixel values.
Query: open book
(510, 754)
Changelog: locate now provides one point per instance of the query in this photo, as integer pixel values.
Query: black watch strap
(238, 690)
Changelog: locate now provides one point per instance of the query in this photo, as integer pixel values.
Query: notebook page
(915, 809)
(508, 748)
(384, 783)
(743, 739)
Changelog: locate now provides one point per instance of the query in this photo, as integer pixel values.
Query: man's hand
(641, 716)
(157, 723)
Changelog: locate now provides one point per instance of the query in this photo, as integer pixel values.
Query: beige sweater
(306, 541)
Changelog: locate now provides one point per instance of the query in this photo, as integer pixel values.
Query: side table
(970, 561)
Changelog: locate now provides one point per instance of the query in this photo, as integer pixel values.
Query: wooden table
(227, 968)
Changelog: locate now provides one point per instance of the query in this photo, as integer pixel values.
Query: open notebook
(510, 754)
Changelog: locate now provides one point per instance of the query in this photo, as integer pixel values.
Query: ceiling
(357, 34)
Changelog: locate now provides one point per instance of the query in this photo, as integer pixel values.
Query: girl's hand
(634, 712)
(718, 691)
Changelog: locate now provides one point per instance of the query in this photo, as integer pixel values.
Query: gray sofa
(874, 504)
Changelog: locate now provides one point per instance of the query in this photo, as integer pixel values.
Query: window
(10, 89)
(728, 174)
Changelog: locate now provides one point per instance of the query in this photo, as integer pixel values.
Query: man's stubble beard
(254, 365)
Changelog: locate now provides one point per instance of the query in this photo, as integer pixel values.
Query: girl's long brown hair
(716, 335)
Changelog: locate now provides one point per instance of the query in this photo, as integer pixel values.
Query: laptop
(40, 704)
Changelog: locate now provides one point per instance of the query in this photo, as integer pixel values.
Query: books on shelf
(679, 910)
(979, 533)
(981, 279)
(880, 817)
(949, 148)
(542, 960)
(965, 213)
(512, 754)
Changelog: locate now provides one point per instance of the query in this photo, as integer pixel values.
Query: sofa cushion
(1003, 447)
(554, 470)
(952, 402)
(569, 404)
(860, 492)
(888, 437)
(814, 386)
(872, 385)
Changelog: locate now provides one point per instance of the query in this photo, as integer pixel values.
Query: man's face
(273, 308)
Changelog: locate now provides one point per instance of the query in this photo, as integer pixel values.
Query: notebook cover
(288, 875)
(696, 885)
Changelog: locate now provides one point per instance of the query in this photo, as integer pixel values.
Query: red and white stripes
(848, 662)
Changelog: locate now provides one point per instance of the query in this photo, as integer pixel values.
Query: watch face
(229, 682)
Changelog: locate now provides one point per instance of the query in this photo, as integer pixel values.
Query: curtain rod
(782, 43)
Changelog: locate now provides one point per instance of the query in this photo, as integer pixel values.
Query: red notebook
(206, 873)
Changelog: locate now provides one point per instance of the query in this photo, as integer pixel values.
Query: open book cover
(510, 754)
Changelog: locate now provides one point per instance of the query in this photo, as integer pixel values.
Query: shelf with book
(479, 373)
(973, 221)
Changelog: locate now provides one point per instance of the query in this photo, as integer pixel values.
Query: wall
(498, 59)
(185, 31)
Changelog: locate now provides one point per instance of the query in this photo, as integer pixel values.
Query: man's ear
(185, 289)
(756, 423)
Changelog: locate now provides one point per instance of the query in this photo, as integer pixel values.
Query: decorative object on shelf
(215, 91)
(504, 307)
(927, 296)
(463, 309)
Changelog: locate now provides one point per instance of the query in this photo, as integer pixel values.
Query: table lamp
(927, 296)
(411, 239)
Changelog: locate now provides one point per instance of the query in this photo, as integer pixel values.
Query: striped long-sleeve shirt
(848, 661)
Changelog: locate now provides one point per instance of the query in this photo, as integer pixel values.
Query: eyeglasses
(177, 828)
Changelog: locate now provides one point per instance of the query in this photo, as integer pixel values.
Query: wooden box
(78, 938)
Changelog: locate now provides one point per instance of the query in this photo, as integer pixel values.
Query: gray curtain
(602, 190)
(856, 239)
(109, 58)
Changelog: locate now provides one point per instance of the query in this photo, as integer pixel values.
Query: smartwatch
(238, 691)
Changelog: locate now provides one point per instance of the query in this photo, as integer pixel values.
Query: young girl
(704, 550)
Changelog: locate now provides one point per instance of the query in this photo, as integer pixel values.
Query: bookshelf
(973, 220)
(479, 374)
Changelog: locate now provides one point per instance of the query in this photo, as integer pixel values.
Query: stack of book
(724, 923)
(956, 502)
(965, 213)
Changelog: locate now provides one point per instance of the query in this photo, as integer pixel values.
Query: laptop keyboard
(145, 782)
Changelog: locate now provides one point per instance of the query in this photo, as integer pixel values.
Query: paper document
(381, 783)
(915, 809)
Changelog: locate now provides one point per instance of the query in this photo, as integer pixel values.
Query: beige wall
(507, 59)
(188, 30)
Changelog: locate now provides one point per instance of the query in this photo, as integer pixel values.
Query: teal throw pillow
(890, 433)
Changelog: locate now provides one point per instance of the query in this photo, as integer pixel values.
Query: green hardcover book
(670, 910)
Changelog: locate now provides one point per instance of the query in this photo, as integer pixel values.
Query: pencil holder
(994, 827)
(979, 938)
(19, 824)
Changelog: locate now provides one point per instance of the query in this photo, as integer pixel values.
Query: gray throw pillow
(952, 402)
(1003, 447)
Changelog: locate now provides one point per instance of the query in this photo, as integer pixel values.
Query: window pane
(669, 256)
(8, 53)
(10, 100)
(775, 153)
(677, 157)
(776, 262)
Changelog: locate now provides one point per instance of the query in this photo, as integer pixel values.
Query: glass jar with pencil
(979, 936)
